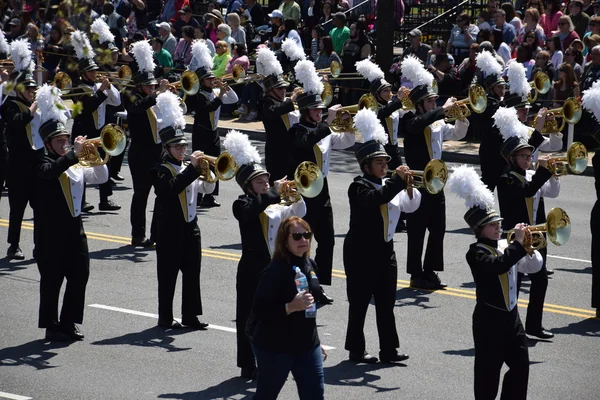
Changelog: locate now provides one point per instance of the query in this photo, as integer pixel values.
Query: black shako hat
(516, 101)
(370, 149)
(87, 64)
(309, 101)
(170, 135)
(25, 78)
(144, 78)
(52, 128)
(420, 93)
(492, 80)
(477, 217)
(378, 85)
(247, 172)
(204, 73)
(274, 81)
(512, 145)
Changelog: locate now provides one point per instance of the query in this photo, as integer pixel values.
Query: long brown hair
(570, 79)
(282, 253)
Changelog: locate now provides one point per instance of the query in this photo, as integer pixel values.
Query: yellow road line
(467, 294)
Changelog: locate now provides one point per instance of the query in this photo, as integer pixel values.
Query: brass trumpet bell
(540, 84)
(112, 140)
(557, 227)
(189, 83)
(327, 95)
(575, 161)
(433, 178)
(63, 82)
(335, 69)
(570, 113)
(308, 182)
(476, 101)
(224, 165)
(340, 124)
(238, 74)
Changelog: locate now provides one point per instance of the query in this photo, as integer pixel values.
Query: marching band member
(259, 214)
(145, 148)
(278, 115)
(94, 98)
(314, 141)
(425, 132)
(519, 194)
(59, 187)
(17, 112)
(497, 329)
(375, 206)
(178, 246)
(4, 51)
(205, 136)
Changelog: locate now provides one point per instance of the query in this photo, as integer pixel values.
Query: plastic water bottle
(302, 284)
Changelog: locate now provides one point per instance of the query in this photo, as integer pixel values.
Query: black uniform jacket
(512, 194)
(487, 268)
(415, 145)
(279, 146)
(84, 124)
(205, 136)
(386, 110)
(17, 116)
(269, 326)
(491, 139)
(141, 119)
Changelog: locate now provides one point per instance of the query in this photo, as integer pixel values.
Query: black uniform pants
(184, 256)
(490, 173)
(499, 338)
(319, 215)
(3, 158)
(20, 180)
(141, 161)
(378, 283)
(537, 295)
(431, 216)
(53, 271)
(595, 227)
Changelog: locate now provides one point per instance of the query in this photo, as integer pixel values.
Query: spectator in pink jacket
(549, 20)
(239, 57)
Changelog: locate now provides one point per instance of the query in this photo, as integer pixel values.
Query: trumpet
(123, 74)
(557, 226)
(112, 140)
(308, 182)
(238, 74)
(433, 178)
(189, 83)
(335, 69)
(407, 104)
(341, 124)
(476, 101)
(224, 165)
(575, 161)
(326, 95)
(540, 84)
(570, 113)
(63, 82)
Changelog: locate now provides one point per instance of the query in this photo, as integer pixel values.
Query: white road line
(11, 396)
(571, 259)
(155, 316)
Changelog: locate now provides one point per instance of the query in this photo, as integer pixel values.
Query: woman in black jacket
(284, 337)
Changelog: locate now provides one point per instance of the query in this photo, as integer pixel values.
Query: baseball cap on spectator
(276, 14)
(185, 10)
(164, 25)
(15, 22)
(415, 32)
(340, 15)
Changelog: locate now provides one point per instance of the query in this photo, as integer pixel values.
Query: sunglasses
(525, 156)
(564, 23)
(299, 235)
(529, 37)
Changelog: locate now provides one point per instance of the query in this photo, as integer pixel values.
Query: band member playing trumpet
(520, 193)
(314, 142)
(375, 206)
(497, 329)
(425, 132)
(94, 97)
(59, 186)
(259, 214)
(178, 246)
(18, 112)
(205, 136)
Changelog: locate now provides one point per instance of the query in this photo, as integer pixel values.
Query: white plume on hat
(3, 43)
(82, 46)
(307, 75)
(267, 63)
(169, 111)
(369, 126)
(415, 72)
(293, 50)
(507, 121)
(201, 57)
(518, 80)
(239, 147)
(486, 62)
(591, 100)
(20, 53)
(466, 184)
(142, 52)
(48, 99)
(369, 70)
(100, 28)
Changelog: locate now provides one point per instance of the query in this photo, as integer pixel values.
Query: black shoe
(209, 201)
(324, 298)
(541, 334)
(363, 357)
(249, 373)
(549, 272)
(421, 283)
(597, 312)
(401, 227)
(392, 357)
(108, 205)
(14, 253)
(118, 177)
(433, 277)
(193, 323)
(112, 182)
(87, 207)
(141, 242)
(56, 335)
(72, 331)
(169, 324)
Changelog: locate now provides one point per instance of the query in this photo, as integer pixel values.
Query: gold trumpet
(476, 100)
(112, 140)
(63, 81)
(308, 182)
(557, 226)
(570, 113)
(540, 84)
(433, 178)
(341, 124)
(407, 104)
(123, 74)
(575, 161)
(238, 75)
(335, 69)
(224, 166)
(189, 83)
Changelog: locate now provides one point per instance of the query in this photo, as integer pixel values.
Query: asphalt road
(125, 356)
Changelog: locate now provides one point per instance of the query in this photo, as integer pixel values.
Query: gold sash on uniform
(65, 184)
(182, 197)
(503, 277)
(211, 114)
(24, 108)
(427, 134)
(528, 200)
(318, 156)
(286, 121)
(386, 220)
(264, 223)
(152, 119)
(389, 121)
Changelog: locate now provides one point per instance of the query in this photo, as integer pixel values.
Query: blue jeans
(274, 368)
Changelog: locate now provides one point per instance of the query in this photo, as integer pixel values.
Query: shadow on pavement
(126, 252)
(348, 373)
(224, 390)
(6, 266)
(34, 354)
(151, 337)
(587, 270)
(462, 353)
(586, 327)
(232, 246)
(412, 297)
(462, 231)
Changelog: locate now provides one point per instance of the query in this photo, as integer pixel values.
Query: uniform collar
(373, 179)
(489, 242)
